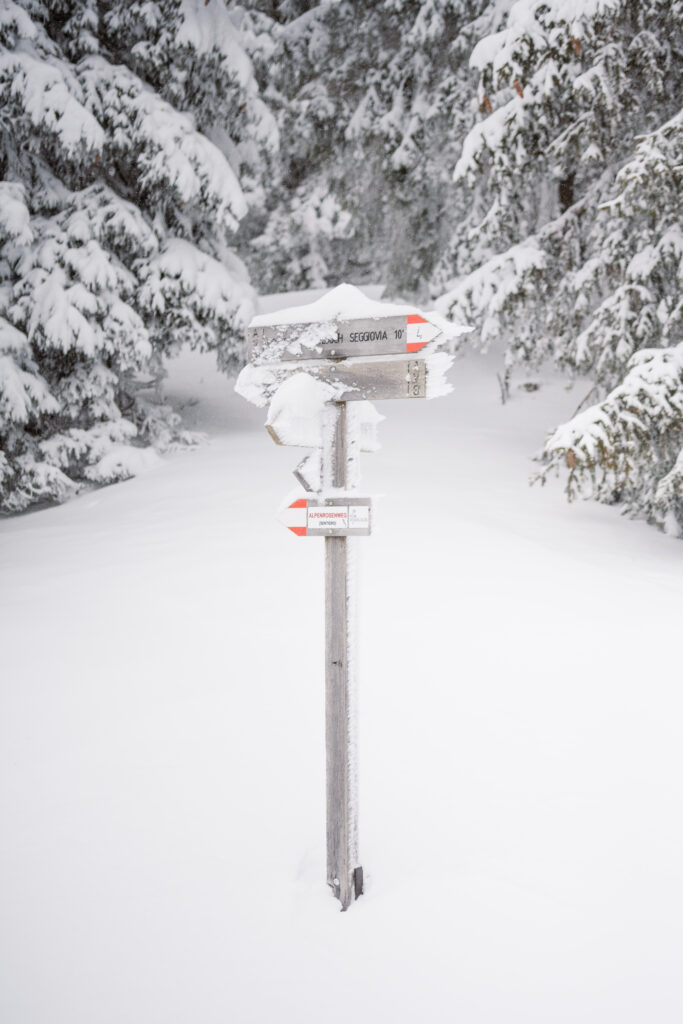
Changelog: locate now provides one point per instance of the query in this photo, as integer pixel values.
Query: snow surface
(521, 738)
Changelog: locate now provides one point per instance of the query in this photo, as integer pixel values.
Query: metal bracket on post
(342, 821)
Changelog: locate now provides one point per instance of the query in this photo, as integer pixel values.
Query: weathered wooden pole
(344, 875)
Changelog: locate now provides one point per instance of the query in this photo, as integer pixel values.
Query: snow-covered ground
(521, 736)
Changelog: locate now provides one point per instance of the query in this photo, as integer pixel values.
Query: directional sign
(333, 517)
(376, 379)
(354, 380)
(370, 336)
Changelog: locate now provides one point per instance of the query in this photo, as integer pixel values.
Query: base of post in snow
(348, 893)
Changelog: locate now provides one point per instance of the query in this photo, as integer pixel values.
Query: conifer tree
(371, 105)
(564, 94)
(116, 221)
(572, 250)
(629, 447)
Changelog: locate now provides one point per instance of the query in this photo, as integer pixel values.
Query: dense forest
(516, 165)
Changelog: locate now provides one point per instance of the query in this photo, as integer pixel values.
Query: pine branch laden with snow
(555, 167)
(629, 448)
(169, 164)
(573, 247)
(491, 295)
(636, 273)
(186, 293)
(118, 213)
(372, 100)
(194, 56)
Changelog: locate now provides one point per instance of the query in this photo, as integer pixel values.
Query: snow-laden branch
(628, 448)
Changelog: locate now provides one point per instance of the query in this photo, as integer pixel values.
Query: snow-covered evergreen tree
(629, 447)
(565, 90)
(118, 202)
(572, 249)
(372, 104)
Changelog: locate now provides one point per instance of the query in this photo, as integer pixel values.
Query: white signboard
(332, 517)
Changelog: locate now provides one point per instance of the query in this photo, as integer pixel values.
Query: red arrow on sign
(295, 517)
(419, 332)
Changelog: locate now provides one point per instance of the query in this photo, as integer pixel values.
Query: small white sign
(331, 517)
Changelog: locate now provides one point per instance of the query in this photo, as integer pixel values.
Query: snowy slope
(161, 774)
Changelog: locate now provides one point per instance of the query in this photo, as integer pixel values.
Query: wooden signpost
(356, 359)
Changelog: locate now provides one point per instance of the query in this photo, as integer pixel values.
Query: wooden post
(343, 874)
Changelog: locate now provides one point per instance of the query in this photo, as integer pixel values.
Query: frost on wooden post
(353, 619)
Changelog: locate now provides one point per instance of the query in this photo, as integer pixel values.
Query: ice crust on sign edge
(295, 413)
(438, 365)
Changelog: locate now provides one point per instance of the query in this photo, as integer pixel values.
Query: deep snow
(521, 728)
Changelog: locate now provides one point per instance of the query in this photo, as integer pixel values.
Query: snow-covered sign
(369, 336)
(353, 380)
(359, 348)
(344, 323)
(332, 517)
